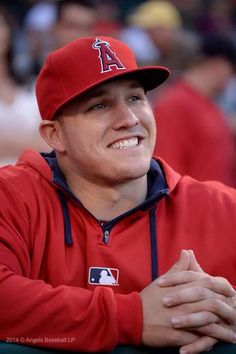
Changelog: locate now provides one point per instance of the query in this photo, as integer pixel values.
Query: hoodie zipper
(106, 236)
(152, 225)
(106, 233)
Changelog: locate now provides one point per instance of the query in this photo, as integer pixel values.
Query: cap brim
(149, 76)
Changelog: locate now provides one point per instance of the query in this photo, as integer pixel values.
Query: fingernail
(234, 338)
(167, 300)
(175, 321)
(161, 281)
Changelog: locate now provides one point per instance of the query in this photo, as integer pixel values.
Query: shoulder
(29, 174)
(207, 195)
(194, 191)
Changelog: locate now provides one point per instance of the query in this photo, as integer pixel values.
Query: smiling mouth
(125, 144)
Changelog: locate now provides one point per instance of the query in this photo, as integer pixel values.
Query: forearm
(88, 321)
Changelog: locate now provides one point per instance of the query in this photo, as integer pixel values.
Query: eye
(134, 98)
(97, 106)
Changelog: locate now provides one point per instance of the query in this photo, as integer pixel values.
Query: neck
(107, 202)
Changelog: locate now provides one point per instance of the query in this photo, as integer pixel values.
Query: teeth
(125, 144)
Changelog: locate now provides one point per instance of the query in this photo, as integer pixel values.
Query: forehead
(77, 13)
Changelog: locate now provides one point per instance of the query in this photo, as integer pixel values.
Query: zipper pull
(106, 235)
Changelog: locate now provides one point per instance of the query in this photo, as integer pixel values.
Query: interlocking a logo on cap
(108, 58)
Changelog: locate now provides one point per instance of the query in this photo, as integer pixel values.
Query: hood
(45, 164)
(162, 180)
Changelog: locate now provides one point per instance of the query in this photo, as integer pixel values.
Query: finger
(182, 277)
(194, 265)
(231, 301)
(166, 336)
(218, 284)
(219, 332)
(192, 320)
(182, 263)
(203, 344)
(213, 305)
(173, 337)
(187, 295)
(219, 308)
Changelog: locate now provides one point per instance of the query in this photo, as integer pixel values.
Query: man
(156, 34)
(100, 204)
(50, 25)
(193, 133)
(74, 19)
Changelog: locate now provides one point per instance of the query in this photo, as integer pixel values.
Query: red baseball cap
(84, 64)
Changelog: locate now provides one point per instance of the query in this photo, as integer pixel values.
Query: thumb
(182, 263)
(194, 265)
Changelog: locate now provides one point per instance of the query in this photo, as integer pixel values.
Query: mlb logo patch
(103, 276)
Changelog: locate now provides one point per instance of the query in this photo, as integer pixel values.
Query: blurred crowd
(195, 110)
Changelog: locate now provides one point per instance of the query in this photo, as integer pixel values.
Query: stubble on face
(87, 137)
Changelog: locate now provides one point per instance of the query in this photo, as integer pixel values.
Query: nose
(124, 117)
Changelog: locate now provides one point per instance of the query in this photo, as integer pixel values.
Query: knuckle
(215, 305)
(211, 282)
(223, 280)
(209, 330)
(185, 308)
(209, 317)
(209, 342)
(181, 338)
(200, 292)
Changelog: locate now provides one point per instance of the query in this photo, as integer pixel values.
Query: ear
(51, 132)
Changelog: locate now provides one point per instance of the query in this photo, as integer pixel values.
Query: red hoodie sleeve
(34, 313)
(63, 317)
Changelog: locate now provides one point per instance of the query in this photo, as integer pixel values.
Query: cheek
(70, 137)
(151, 127)
(149, 121)
(81, 141)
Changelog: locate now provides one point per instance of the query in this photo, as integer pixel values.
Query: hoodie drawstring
(66, 219)
(153, 239)
(152, 226)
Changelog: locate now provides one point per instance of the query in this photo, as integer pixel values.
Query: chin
(129, 172)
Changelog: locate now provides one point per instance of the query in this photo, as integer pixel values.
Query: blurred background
(195, 109)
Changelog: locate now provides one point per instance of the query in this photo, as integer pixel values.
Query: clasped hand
(188, 308)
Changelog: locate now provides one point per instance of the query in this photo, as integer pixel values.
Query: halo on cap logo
(108, 58)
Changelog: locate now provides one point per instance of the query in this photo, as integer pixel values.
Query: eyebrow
(100, 92)
(95, 93)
